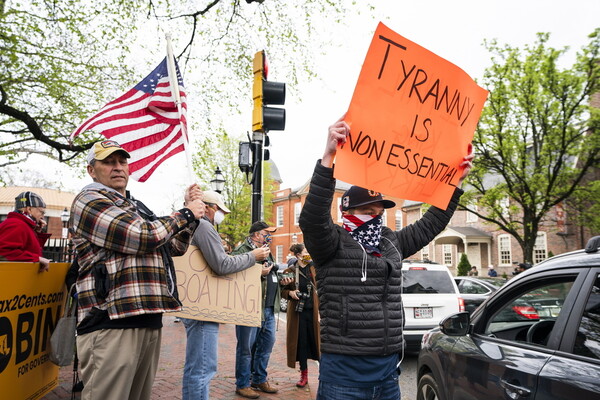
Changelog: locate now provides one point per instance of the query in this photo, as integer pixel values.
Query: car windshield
(426, 281)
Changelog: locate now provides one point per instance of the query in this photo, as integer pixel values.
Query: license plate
(423, 312)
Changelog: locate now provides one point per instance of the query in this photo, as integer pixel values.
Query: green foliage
(464, 266)
(533, 144)
(57, 58)
(222, 151)
(62, 61)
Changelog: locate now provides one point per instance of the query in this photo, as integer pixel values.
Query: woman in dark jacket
(303, 341)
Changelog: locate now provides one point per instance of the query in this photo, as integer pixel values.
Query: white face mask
(219, 217)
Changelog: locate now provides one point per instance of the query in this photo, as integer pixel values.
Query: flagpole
(175, 93)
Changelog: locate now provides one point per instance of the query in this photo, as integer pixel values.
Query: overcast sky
(454, 30)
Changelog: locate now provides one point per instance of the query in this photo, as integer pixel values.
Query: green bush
(464, 266)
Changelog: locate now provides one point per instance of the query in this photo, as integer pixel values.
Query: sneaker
(264, 387)
(247, 393)
(176, 320)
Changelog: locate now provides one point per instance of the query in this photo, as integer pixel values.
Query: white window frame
(447, 254)
(279, 253)
(425, 253)
(279, 216)
(504, 204)
(470, 218)
(297, 210)
(504, 250)
(339, 209)
(399, 220)
(540, 249)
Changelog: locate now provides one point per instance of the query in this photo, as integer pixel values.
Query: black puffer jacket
(361, 317)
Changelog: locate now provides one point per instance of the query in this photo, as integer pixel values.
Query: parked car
(429, 294)
(537, 337)
(475, 290)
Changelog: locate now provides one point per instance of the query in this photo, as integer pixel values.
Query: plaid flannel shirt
(109, 230)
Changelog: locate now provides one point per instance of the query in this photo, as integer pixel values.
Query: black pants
(307, 342)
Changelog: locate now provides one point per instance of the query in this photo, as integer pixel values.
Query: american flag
(145, 121)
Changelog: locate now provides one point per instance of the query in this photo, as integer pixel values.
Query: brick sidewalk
(167, 384)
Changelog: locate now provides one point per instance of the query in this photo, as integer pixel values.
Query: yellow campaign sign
(412, 119)
(30, 305)
(228, 299)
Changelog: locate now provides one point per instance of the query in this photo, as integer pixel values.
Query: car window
(470, 287)
(587, 341)
(530, 316)
(427, 281)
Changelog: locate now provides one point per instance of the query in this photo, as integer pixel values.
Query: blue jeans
(200, 358)
(265, 339)
(246, 336)
(387, 390)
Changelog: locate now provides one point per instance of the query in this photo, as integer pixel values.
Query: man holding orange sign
(359, 273)
(407, 129)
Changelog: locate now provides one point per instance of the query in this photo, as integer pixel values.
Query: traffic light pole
(257, 180)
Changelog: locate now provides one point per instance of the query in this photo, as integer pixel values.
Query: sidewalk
(167, 384)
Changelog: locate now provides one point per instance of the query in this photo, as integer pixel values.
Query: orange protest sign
(412, 118)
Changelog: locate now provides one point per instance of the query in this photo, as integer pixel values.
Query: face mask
(306, 258)
(219, 217)
(267, 239)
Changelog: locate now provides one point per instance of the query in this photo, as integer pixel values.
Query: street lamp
(294, 238)
(218, 183)
(64, 217)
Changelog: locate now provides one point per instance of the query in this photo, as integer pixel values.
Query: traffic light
(265, 93)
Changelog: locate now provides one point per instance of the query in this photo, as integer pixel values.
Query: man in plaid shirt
(126, 277)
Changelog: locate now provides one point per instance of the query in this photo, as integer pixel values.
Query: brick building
(483, 243)
(287, 204)
(57, 203)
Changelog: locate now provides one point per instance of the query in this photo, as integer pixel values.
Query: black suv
(538, 337)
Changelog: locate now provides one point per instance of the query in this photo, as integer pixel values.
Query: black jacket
(361, 318)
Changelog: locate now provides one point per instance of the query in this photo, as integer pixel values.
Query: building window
(384, 218)
(504, 206)
(504, 252)
(279, 254)
(540, 249)
(297, 209)
(398, 220)
(470, 216)
(425, 253)
(339, 209)
(279, 215)
(447, 248)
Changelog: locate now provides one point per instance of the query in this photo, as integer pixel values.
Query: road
(408, 378)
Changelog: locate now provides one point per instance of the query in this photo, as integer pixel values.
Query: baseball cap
(260, 225)
(210, 196)
(28, 199)
(357, 196)
(103, 149)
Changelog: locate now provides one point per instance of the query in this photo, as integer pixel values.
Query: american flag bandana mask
(366, 230)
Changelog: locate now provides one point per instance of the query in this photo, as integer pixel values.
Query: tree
(464, 266)
(62, 61)
(222, 151)
(537, 138)
(54, 62)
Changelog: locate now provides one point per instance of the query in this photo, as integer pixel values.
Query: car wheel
(283, 304)
(428, 389)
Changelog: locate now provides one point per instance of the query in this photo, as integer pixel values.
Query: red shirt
(18, 240)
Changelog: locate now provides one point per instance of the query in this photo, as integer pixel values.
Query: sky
(454, 30)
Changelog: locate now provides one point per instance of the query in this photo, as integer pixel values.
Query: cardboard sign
(412, 118)
(206, 296)
(30, 305)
